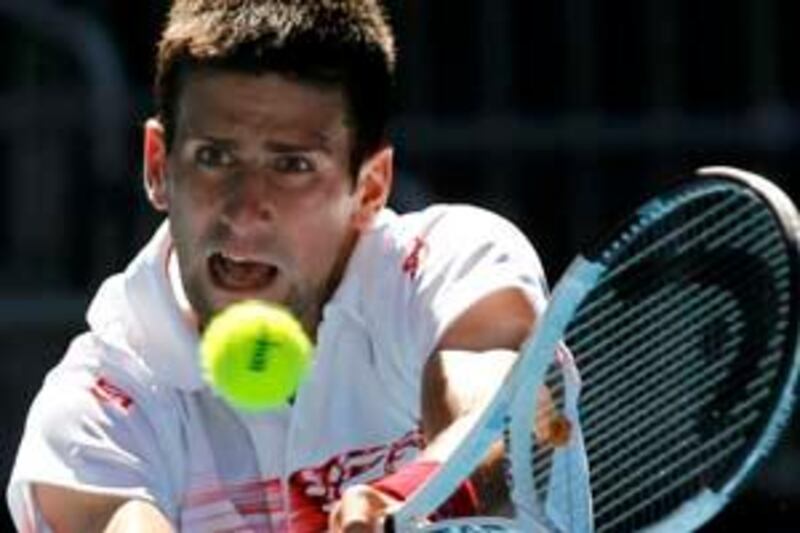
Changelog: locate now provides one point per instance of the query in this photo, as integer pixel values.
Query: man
(269, 157)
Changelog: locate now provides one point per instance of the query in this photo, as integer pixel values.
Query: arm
(93, 441)
(469, 363)
(68, 510)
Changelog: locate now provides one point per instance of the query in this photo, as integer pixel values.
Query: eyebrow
(193, 135)
(320, 143)
(211, 139)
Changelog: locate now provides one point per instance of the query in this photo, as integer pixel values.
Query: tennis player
(270, 159)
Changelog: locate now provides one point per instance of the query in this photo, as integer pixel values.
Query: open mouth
(240, 274)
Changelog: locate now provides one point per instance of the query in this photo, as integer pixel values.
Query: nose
(249, 201)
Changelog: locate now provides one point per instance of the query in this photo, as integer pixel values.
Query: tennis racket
(684, 326)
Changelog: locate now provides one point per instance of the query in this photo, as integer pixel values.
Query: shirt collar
(169, 341)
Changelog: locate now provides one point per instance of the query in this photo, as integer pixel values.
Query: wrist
(405, 481)
(402, 483)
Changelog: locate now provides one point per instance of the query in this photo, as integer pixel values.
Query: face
(261, 198)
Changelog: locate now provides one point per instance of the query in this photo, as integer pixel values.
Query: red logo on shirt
(314, 490)
(107, 392)
(411, 264)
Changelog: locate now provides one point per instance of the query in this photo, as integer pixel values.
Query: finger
(360, 510)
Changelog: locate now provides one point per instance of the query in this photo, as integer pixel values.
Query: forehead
(218, 101)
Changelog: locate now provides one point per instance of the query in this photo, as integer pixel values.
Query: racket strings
(630, 452)
(705, 458)
(653, 396)
(609, 398)
(645, 329)
(679, 453)
(663, 235)
(688, 320)
(622, 445)
(664, 393)
(716, 304)
(634, 391)
(660, 392)
(638, 328)
(599, 334)
(628, 503)
(657, 245)
(638, 489)
(628, 476)
(679, 416)
(601, 302)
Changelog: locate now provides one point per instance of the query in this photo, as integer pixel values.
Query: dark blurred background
(560, 114)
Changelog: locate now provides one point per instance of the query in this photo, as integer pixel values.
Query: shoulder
(457, 218)
(98, 381)
(437, 243)
(418, 272)
(90, 355)
(457, 230)
(441, 232)
(448, 239)
(99, 423)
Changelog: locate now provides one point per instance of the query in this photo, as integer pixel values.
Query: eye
(293, 164)
(211, 156)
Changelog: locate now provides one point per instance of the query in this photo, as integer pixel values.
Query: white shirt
(127, 413)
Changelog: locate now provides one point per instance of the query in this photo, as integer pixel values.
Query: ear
(155, 165)
(373, 186)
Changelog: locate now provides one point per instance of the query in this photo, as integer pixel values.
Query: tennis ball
(255, 355)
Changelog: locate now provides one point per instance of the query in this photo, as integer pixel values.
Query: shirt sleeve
(472, 253)
(452, 257)
(96, 428)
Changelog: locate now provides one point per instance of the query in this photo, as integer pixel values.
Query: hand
(360, 510)
(551, 428)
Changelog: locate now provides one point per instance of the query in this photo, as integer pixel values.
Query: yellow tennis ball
(255, 355)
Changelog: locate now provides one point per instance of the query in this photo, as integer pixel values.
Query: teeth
(240, 273)
(240, 259)
(236, 258)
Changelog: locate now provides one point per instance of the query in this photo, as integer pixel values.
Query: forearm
(67, 510)
(457, 385)
(456, 388)
(473, 358)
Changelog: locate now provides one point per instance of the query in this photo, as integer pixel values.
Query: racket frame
(517, 392)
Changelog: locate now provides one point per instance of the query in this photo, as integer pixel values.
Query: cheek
(335, 215)
(329, 206)
(192, 203)
(323, 225)
(193, 191)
